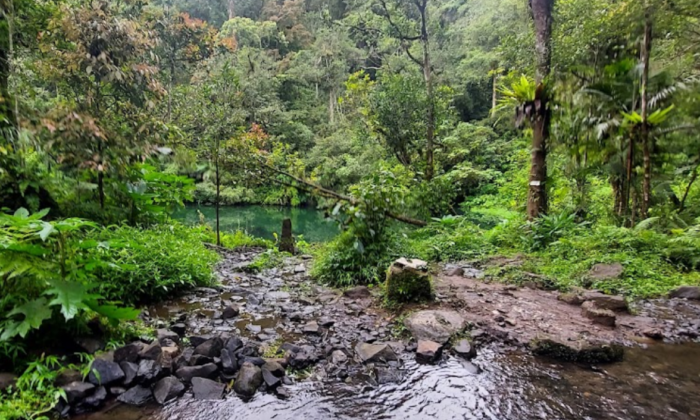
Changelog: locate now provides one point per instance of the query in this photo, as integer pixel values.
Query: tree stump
(408, 281)
(287, 240)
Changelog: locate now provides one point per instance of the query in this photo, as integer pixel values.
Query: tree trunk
(170, 86)
(231, 9)
(218, 193)
(101, 189)
(494, 94)
(331, 106)
(646, 52)
(7, 120)
(537, 194)
(428, 77)
(628, 175)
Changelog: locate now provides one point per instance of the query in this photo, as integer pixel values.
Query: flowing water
(264, 221)
(660, 382)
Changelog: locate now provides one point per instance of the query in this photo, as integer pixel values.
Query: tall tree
(537, 193)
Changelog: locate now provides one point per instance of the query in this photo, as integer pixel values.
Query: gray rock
(168, 389)
(248, 380)
(206, 389)
(77, 390)
(196, 340)
(597, 315)
(388, 375)
(465, 349)
(606, 271)
(338, 357)
(149, 371)
(128, 353)
(96, 399)
(455, 272)
(117, 390)
(198, 360)
(603, 301)
(428, 351)
(282, 393)
(210, 348)
(374, 353)
(326, 322)
(138, 395)
(311, 327)
(257, 361)
(130, 371)
(358, 292)
(303, 358)
(151, 351)
(186, 373)
(272, 373)
(103, 372)
(228, 362)
(435, 325)
(270, 380)
(231, 311)
(570, 298)
(163, 334)
(233, 344)
(686, 292)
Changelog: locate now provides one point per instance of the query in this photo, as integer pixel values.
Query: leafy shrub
(240, 239)
(450, 238)
(151, 264)
(268, 259)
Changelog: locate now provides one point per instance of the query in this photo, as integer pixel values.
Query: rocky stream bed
(277, 345)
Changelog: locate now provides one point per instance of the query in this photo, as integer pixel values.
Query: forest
(561, 133)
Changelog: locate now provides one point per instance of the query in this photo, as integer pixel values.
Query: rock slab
(435, 325)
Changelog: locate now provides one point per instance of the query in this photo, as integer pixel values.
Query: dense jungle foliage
(564, 133)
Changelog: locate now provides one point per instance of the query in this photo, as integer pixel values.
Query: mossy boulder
(408, 280)
(578, 352)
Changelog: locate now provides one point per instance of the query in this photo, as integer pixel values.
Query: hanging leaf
(71, 297)
(35, 313)
(114, 312)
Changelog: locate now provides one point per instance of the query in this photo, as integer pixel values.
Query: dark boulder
(103, 372)
(603, 301)
(248, 380)
(96, 399)
(465, 349)
(272, 373)
(186, 373)
(179, 329)
(231, 311)
(77, 390)
(64, 378)
(210, 348)
(151, 351)
(149, 371)
(233, 344)
(206, 389)
(128, 353)
(686, 292)
(228, 362)
(358, 292)
(138, 395)
(196, 340)
(163, 334)
(428, 351)
(91, 345)
(373, 353)
(130, 371)
(168, 389)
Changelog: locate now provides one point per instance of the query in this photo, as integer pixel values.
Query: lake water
(263, 221)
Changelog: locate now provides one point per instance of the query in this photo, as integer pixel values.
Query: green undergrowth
(150, 264)
(240, 239)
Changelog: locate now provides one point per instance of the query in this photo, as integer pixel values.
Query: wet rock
(311, 327)
(464, 348)
(296, 317)
(272, 374)
(250, 349)
(196, 340)
(233, 344)
(206, 389)
(299, 269)
(257, 361)
(326, 322)
(163, 334)
(408, 280)
(103, 372)
(570, 298)
(179, 329)
(183, 359)
(64, 378)
(77, 390)
(128, 353)
(149, 371)
(338, 357)
(375, 353)
(597, 315)
(455, 272)
(210, 348)
(228, 361)
(138, 395)
(168, 389)
(471, 368)
(603, 301)
(130, 371)
(231, 311)
(388, 375)
(580, 352)
(358, 292)
(253, 328)
(198, 360)
(186, 373)
(89, 344)
(686, 292)
(117, 390)
(428, 351)
(282, 393)
(248, 380)
(435, 325)
(151, 351)
(653, 333)
(606, 271)
(96, 399)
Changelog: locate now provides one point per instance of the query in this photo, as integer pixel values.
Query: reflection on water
(656, 383)
(263, 221)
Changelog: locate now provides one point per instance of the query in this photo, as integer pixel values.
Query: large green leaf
(114, 312)
(35, 313)
(71, 296)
